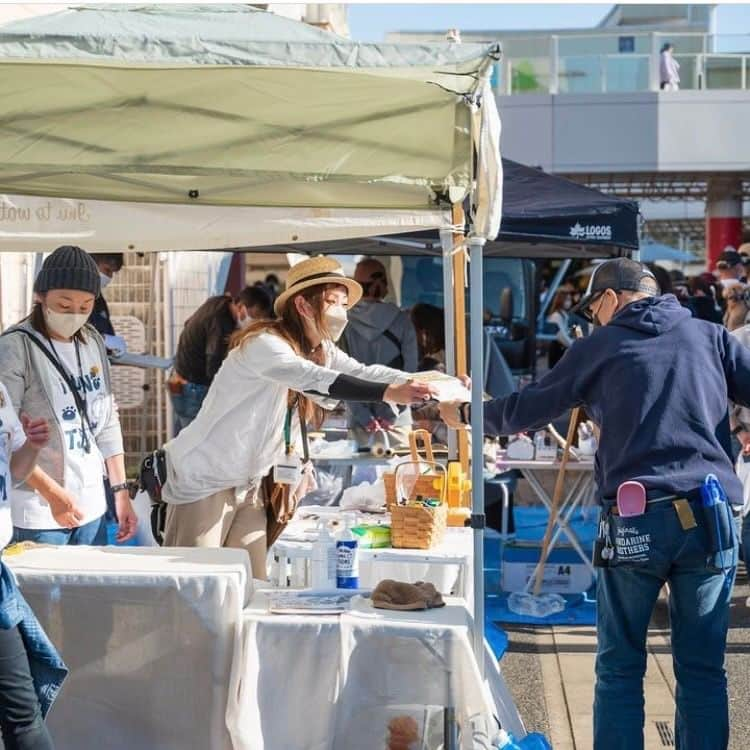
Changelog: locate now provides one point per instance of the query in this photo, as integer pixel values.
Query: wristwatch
(464, 413)
(119, 487)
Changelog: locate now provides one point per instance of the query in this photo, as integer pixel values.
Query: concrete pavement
(550, 672)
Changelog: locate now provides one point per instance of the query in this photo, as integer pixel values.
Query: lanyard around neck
(288, 429)
(70, 378)
(78, 397)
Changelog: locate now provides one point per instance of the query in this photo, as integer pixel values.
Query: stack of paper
(448, 387)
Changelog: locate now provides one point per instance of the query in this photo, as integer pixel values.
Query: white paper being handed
(448, 388)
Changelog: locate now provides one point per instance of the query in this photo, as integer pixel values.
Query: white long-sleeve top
(238, 434)
(561, 320)
(669, 68)
(740, 415)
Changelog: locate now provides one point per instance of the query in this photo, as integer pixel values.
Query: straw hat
(313, 272)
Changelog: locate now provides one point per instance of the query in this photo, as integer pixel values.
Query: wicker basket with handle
(415, 523)
(426, 485)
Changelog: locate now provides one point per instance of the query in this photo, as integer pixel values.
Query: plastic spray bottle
(324, 559)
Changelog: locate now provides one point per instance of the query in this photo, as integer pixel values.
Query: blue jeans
(21, 721)
(700, 592)
(93, 533)
(31, 671)
(187, 404)
(746, 542)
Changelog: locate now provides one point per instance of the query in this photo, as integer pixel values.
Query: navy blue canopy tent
(544, 216)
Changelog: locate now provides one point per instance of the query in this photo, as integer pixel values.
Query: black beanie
(69, 267)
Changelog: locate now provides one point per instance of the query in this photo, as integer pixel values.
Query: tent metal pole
(446, 242)
(459, 315)
(476, 319)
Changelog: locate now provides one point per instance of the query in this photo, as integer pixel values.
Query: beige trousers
(220, 520)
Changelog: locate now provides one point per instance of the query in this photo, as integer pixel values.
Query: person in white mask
(251, 304)
(204, 343)
(249, 426)
(55, 366)
(379, 332)
(108, 264)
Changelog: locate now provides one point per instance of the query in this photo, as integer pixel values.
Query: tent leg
(168, 333)
(446, 242)
(450, 729)
(476, 318)
(150, 330)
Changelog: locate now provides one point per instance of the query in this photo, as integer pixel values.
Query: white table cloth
(150, 636)
(333, 682)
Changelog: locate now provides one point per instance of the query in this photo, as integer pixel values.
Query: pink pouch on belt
(631, 499)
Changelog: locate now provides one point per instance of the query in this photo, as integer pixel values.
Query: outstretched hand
(449, 413)
(410, 393)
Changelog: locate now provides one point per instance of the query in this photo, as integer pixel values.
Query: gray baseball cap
(619, 274)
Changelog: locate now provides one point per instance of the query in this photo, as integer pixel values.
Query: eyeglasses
(587, 313)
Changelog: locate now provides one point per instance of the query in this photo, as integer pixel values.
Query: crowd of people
(721, 296)
(658, 382)
(253, 371)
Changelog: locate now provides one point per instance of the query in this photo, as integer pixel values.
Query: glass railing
(601, 63)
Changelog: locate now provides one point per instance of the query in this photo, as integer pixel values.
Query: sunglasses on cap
(586, 313)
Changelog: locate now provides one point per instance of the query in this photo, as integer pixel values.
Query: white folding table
(151, 636)
(580, 492)
(333, 682)
(448, 566)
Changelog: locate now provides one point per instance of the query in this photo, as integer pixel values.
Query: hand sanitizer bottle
(347, 558)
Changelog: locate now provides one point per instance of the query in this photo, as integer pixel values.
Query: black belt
(658, 496)
(693, 497)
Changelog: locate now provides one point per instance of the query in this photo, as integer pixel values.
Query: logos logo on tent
(591, 231)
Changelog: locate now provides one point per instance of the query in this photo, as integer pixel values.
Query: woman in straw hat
(275, 372)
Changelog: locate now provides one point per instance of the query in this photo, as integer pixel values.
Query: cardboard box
(564, 572)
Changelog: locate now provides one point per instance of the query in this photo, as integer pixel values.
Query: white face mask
(245, 322)
(567, 303)
(726, 283)
(336, 320)
(104, 279)
(65, 325)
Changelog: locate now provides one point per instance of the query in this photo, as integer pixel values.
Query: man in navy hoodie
(656, 381)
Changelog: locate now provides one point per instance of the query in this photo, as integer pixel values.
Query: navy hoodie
(656, 381)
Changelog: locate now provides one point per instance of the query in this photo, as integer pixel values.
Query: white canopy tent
(225, 126)
(35, 224)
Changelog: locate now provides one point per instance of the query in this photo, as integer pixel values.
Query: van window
(422, 281)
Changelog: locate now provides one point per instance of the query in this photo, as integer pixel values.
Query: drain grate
(665, 733)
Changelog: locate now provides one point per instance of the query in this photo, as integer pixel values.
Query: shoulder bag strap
(296, 404)
(80, 405)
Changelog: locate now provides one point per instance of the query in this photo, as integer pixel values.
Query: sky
(370, 23)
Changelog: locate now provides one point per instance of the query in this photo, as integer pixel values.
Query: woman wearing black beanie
(55, 366)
